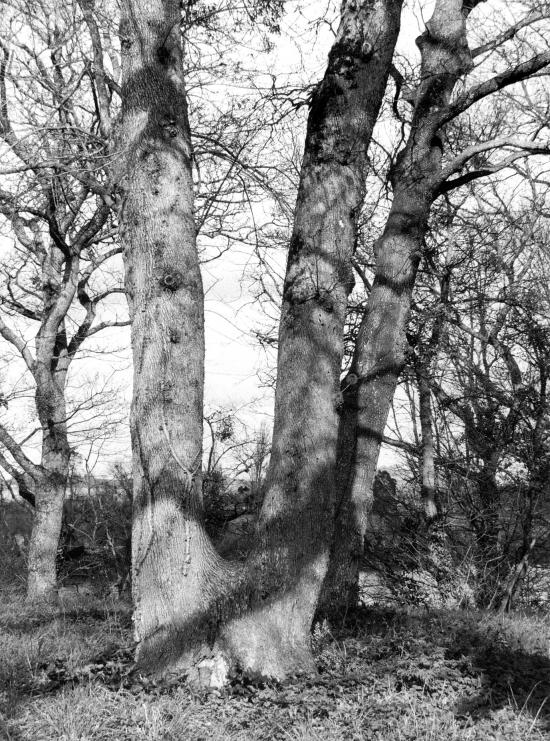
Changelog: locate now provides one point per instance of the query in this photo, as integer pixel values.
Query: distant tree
(254, 458)
(56, 205)
(488, 381)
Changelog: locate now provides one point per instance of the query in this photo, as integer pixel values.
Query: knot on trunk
(169, 125)
(171, 280)
(349, 382)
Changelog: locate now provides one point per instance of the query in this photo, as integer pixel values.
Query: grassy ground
(386, 677)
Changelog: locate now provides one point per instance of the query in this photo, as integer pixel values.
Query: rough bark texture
(381, 342)
(175, 571)
(44, 541)
(297, 516)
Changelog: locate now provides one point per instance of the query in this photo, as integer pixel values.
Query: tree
(56, 203)
(186, 598)
(427, 168)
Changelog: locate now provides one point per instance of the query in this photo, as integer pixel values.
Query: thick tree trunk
(381, 342)
(379, 359)
(296, 521)
(177, 578)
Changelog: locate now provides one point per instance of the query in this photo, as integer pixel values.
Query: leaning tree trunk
(381, 343)
(291, 558)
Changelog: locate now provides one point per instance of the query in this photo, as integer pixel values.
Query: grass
(386, 676)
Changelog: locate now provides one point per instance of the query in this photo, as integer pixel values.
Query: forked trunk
(187, 600)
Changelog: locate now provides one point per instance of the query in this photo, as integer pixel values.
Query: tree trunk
(428, 482)
(44, 541)
(177, 578)
(296, 521)
(50, 489)
(505, 600)
(381, 343)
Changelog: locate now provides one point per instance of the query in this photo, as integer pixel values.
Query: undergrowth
(66, 675)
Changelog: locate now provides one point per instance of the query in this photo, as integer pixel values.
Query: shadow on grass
(486, 665)
(509, 677)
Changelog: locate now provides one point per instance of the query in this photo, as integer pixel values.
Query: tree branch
(509, 34)
(19, 343)
(527, 146)
(32, 469)
(498, 82)
(102, 98)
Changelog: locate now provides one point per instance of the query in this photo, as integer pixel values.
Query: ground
(66, 675)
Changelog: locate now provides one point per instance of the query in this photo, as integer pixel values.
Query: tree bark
(381, 343)
(176, 575)
(50, 376)
(50, 486)
(44, 541)
(296, 520)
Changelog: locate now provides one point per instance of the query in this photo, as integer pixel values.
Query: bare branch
(19, 343)
(102, 99)
(498, 82)
(527, 146)
(509, 34)
(32, 469)
(104, 325)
